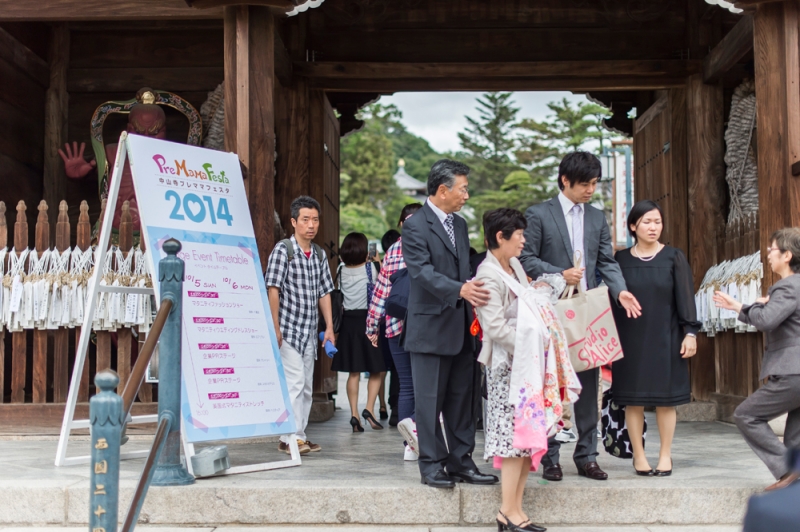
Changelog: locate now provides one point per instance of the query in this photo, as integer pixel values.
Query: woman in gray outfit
(777, 315)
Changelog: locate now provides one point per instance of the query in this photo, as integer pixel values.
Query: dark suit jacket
(779, 318)
(436, 322)
(548, 248)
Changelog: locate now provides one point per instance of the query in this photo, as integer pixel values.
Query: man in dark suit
(559, 230)
(436, 251)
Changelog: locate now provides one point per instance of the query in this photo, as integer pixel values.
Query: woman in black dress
(654, 370)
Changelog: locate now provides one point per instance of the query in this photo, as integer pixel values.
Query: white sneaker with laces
(409, 455)
(408, 429)
(566, 436)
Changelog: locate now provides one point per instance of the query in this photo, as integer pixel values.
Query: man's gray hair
(444, 172)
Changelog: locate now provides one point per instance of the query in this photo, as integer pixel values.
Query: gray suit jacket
(779, 318)
(548, 248)
(437, 318)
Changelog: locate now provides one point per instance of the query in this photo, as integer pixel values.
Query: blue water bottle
(330, 349)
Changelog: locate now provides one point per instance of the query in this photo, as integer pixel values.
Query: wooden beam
(287, 5)
(62, 10)
(23, 58)
(527, 69)
(497, 84)
(733, 47)
(648, 115)
(177, 79)
(56, 114)
(261, 136)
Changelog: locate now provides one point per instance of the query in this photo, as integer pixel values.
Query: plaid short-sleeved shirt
(302, 282)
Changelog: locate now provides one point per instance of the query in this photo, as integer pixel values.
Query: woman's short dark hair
(389, 237)
(638, 211)
(579, 167)
(502, 220)
(407, 211)
(788, 239)
(354, 249)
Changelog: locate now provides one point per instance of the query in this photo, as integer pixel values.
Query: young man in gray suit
(557, 230)
(436, 251)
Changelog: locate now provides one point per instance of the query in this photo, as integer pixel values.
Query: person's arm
(533, 265)
(277, 270)
(685, 304)
(274, 303)
(327, 315)
(420, 268)
(491, 316)
(768, 316)
(607, 264)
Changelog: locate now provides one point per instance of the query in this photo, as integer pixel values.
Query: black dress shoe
(439, 479)
(663, 473)
(473, 476)
(393, 418)
(553, 473)
(592, 470)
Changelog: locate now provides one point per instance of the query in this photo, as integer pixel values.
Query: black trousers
(446, 385)
(585, 418)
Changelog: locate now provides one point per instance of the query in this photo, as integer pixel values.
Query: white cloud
(438, 117)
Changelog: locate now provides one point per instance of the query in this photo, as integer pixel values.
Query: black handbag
(616, 440)
(337, 302)
(397, 302)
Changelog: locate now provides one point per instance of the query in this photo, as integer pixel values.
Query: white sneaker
(566, 436)
(408, 429)
(409, 455)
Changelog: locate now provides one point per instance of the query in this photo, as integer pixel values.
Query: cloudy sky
(439, 116)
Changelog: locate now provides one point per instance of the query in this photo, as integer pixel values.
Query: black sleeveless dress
(652, 372)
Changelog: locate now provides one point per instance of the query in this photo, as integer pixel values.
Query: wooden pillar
(56, 109)
(250, 112)
(19, 340)
(3, 245)
(778, 123)
(292, 166)
(706, 196)
(40, 335)
(61, 335)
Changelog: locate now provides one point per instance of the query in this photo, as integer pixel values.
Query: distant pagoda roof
(405, 182)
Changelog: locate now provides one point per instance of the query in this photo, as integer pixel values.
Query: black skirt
(356, 353)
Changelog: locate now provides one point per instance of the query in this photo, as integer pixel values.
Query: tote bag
(588, 322)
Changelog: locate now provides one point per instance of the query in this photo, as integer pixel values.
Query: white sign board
(233, 380)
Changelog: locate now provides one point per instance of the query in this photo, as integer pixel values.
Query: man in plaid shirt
(298, 290)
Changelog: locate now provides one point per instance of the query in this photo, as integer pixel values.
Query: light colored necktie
(577, 238)
(448, 226)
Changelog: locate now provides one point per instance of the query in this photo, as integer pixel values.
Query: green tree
(362, 219)
(366, 158)
(489, 141)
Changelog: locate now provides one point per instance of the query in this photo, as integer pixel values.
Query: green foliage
(366, 157)
(362, 219)
(489, 141)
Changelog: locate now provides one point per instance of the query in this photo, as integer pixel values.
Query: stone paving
(384, 528)
(362, 479)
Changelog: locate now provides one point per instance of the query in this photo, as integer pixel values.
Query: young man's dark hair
(304, 202)
(579, 167)
(354, 249)
(389, 237)
(444, 172)
(502, 220)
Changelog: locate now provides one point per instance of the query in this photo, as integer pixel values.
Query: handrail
(147, 473)
(140, 368)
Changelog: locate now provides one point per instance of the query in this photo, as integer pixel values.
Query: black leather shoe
(439, 479)
(553, 473)
(473, 476)
(527, 526)
(592, 470)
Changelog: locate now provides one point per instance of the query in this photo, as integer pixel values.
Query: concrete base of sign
(321, 411)
(210, 461)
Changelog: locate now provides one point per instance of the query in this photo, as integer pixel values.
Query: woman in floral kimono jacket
(528, 371)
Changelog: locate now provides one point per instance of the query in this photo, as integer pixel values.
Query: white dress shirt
(566, 206)
(439, 212)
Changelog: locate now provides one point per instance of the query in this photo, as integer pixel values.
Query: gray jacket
(437, 319)
(548, 248)
(779, 318)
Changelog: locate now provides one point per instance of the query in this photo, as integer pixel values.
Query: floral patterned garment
(542, 377)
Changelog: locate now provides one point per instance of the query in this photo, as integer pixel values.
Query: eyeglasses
(772, 248)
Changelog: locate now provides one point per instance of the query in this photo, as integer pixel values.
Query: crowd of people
(444, 323)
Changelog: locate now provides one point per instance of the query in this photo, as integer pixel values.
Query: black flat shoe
(473, 476)
(527, 526)
(439, 479)
(369, 418)
(383, 414)
(356, 424)
(648, 473)
(660, 473)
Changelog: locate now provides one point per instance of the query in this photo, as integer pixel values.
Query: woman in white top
(356, 353)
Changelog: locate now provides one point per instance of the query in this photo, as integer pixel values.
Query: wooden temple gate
(294, 84)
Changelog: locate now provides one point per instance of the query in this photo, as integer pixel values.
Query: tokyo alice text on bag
(588, 322)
